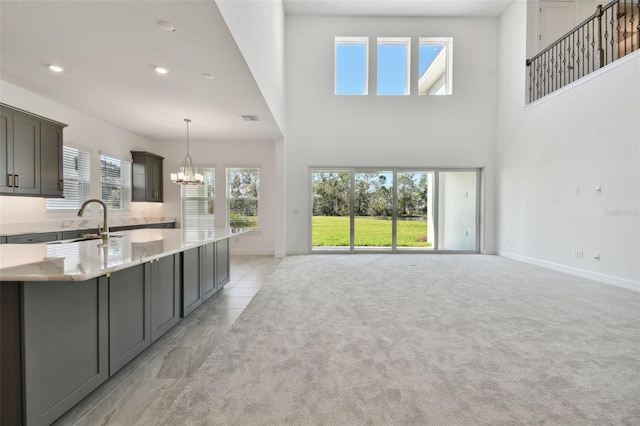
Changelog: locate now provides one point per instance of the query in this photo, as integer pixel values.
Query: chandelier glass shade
(187, 174)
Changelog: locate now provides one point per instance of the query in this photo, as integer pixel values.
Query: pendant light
(187, 175)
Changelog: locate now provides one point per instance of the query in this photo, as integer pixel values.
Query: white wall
(85, 131)
(586, 135)
(222, 155)
(387, 131)
(257, 27)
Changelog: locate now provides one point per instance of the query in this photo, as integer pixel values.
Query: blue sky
(350, 67)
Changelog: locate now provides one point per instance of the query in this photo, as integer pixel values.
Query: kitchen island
(75, 312)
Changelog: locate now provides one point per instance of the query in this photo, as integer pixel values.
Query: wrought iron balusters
(612, 32)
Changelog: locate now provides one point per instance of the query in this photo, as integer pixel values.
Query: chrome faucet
(104, 230)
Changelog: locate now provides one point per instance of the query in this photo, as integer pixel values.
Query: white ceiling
(109, 50)
(438, 8)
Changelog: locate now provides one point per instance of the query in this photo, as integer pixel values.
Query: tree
(331, 193)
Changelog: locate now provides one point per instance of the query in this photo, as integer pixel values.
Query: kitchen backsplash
(79, 223)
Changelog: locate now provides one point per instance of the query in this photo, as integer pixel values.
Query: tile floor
(140, 392)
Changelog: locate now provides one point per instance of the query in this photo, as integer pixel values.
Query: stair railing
(612, 32)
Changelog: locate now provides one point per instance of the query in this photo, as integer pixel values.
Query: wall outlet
(578, 253)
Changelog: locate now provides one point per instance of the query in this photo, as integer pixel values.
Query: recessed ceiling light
(208, 76)
(161, 70)
(166, 25)
(56, 68)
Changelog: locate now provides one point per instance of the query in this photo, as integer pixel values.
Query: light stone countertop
(80, 261)
(77, 223)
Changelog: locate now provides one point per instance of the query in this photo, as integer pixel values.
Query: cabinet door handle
(10, 181)
(61, 185)
(16, 180)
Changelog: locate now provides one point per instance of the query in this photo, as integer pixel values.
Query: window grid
(393, 66)
(351, 66)
(115, 178)
(76, 166)
(243, 194)
(394, 58)
(435, 66)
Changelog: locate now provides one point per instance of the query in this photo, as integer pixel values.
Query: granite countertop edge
(90, 223)
(20, 271)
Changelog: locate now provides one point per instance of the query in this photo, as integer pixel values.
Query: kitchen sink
(86, 237)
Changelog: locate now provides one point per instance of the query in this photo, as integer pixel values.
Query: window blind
(198, 210)
(115, 176)
(76, 171)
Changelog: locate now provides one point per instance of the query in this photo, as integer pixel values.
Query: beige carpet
(422, 340)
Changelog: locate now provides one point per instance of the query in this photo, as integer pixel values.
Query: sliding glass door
(331, 210)
(394, 210)
(457, 210)
(414, 207)
(373, 211)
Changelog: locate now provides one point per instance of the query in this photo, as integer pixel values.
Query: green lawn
(333, 231)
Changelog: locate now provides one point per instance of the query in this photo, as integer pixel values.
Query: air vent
(250, 118)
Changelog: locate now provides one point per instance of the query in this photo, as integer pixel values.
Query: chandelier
(187, 174)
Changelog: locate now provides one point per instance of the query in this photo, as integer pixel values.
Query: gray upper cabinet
(146, 176)
(25, 140)
(51, 172)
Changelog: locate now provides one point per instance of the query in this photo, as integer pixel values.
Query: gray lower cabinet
(205, 270)
(165, 294)
(75, 233)
(65, 345)
(167, 225)
(208, 265)
(191, 281)
(34, 238)
(69, 235)
(222, 263)
(129, 315)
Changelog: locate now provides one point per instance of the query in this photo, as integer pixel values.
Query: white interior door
(555, 19)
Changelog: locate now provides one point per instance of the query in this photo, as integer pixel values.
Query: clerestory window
(435, 70)
(393, 65)
(351, 65)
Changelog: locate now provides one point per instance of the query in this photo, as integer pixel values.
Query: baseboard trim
(296, 252)
(607, 279)
(251, 252)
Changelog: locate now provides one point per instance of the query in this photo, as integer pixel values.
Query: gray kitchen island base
(61, 340)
